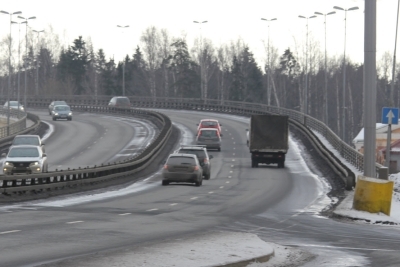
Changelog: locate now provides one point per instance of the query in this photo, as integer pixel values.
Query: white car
(25, 159)
(14, 105)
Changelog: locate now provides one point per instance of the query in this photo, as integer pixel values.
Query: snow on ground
(345, 208)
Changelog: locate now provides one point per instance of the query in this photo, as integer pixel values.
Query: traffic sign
(390, 115)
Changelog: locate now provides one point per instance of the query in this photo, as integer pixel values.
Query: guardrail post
(383, 173)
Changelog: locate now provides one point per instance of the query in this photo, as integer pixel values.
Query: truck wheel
(254, 164)
(165, 182)
(281, 164)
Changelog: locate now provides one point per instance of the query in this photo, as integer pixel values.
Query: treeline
(165, 66)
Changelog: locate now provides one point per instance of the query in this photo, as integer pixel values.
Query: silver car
(56, 103)
(202, 155)
(61, 112)
(27, 139)
(182, 168)
(25, 159)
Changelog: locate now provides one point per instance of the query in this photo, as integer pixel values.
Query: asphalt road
(280, 205)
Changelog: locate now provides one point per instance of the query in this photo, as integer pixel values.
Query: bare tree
(165, 52)
(151, 46)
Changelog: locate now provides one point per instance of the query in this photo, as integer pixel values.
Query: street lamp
(305, 94)
(26, 53)
(268, 63)
(37, 64)
(344, 69)
(326, 72)
(9, 69)
(123, 66)
(201, 58)
(19, 62)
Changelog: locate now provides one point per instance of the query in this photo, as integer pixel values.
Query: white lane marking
(74, 222)
(227, 182)
(211, 192)
(229, 177)
(232, 166)
(88, 147)
(352, 248)
(234, 142)
(221, 187)
(234, 148)
(124, 214)
(194, 198)
(233, 138)
(9, 232)
(151, 209)
(173, 204)
(230, 171)
(233, 154)
(233, 159)
(94, 142)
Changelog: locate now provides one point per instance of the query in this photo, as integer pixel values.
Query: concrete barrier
(373, 195)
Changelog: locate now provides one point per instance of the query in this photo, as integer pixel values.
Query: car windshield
(26, 141)
(198, 153)
(61, 108)
(17, 152)
(181, 160)
(209, 123)
(13, 103)
(208, 133)
(122, 100)
(59, 103)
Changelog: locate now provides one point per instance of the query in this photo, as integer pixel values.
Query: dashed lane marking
(221, 187)
(9, 232)
(124, 214)
(232, 166)
(211, 192)
(227, 182)
(173, 204)
(74, 222)
(233, 154)
(151, 209)
(233, 159)
(229, 177)
(193, 198)
(230, 171)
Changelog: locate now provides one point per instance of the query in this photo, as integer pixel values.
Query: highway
(280, 205)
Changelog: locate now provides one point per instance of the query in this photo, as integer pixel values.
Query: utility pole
(37, 64)
(269, 66)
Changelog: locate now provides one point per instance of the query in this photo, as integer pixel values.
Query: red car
(209, 123)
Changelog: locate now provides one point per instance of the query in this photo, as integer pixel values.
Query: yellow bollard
(373, 195)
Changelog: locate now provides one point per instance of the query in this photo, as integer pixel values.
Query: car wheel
(54, 119)
(165, 182)
(207, 176)
(197, 183)
(219, 149)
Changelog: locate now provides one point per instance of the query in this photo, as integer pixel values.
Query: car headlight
(70, 114)
(8, 164)
(56, 114)
(34, 163)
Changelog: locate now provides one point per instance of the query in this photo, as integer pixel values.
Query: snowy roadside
(345, 208)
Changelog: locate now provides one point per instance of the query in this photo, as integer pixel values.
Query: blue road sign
(390, 115)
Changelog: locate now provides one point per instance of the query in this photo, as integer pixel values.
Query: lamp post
(394, 58)
(26, 53)
(326, 72)
(268, 63)
(19, 62)
(305, 94)
(9, 68)
(344, 70)
(37, 64)
(201, 58)
(123, 65)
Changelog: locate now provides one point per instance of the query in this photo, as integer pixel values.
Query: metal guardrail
(17, 121)
(59, 179)
(346, 151)
(99, 105)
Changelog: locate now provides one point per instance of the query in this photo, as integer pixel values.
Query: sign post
(389, 116)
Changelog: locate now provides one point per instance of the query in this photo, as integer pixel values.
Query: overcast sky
(227, 20)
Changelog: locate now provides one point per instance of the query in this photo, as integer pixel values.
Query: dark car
(120, 101)
(202, 155)
(61, 112)
(210, 138)
(56, 103)
(182, 168)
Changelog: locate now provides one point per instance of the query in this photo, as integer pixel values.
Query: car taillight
(196, 168)
(165, 166)
(205, 160)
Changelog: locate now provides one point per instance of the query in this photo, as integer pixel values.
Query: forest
(167, 66)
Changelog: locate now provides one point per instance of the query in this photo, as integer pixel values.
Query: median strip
(9, 232)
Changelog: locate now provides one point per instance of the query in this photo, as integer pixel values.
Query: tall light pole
(201, 58)
(305, 93)
(9, 68)
(19, 62)
(268, 63)
(344, 70)
(26, 53)
(37, 63)
(123, 66)
(326, 71)
(394, 58)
